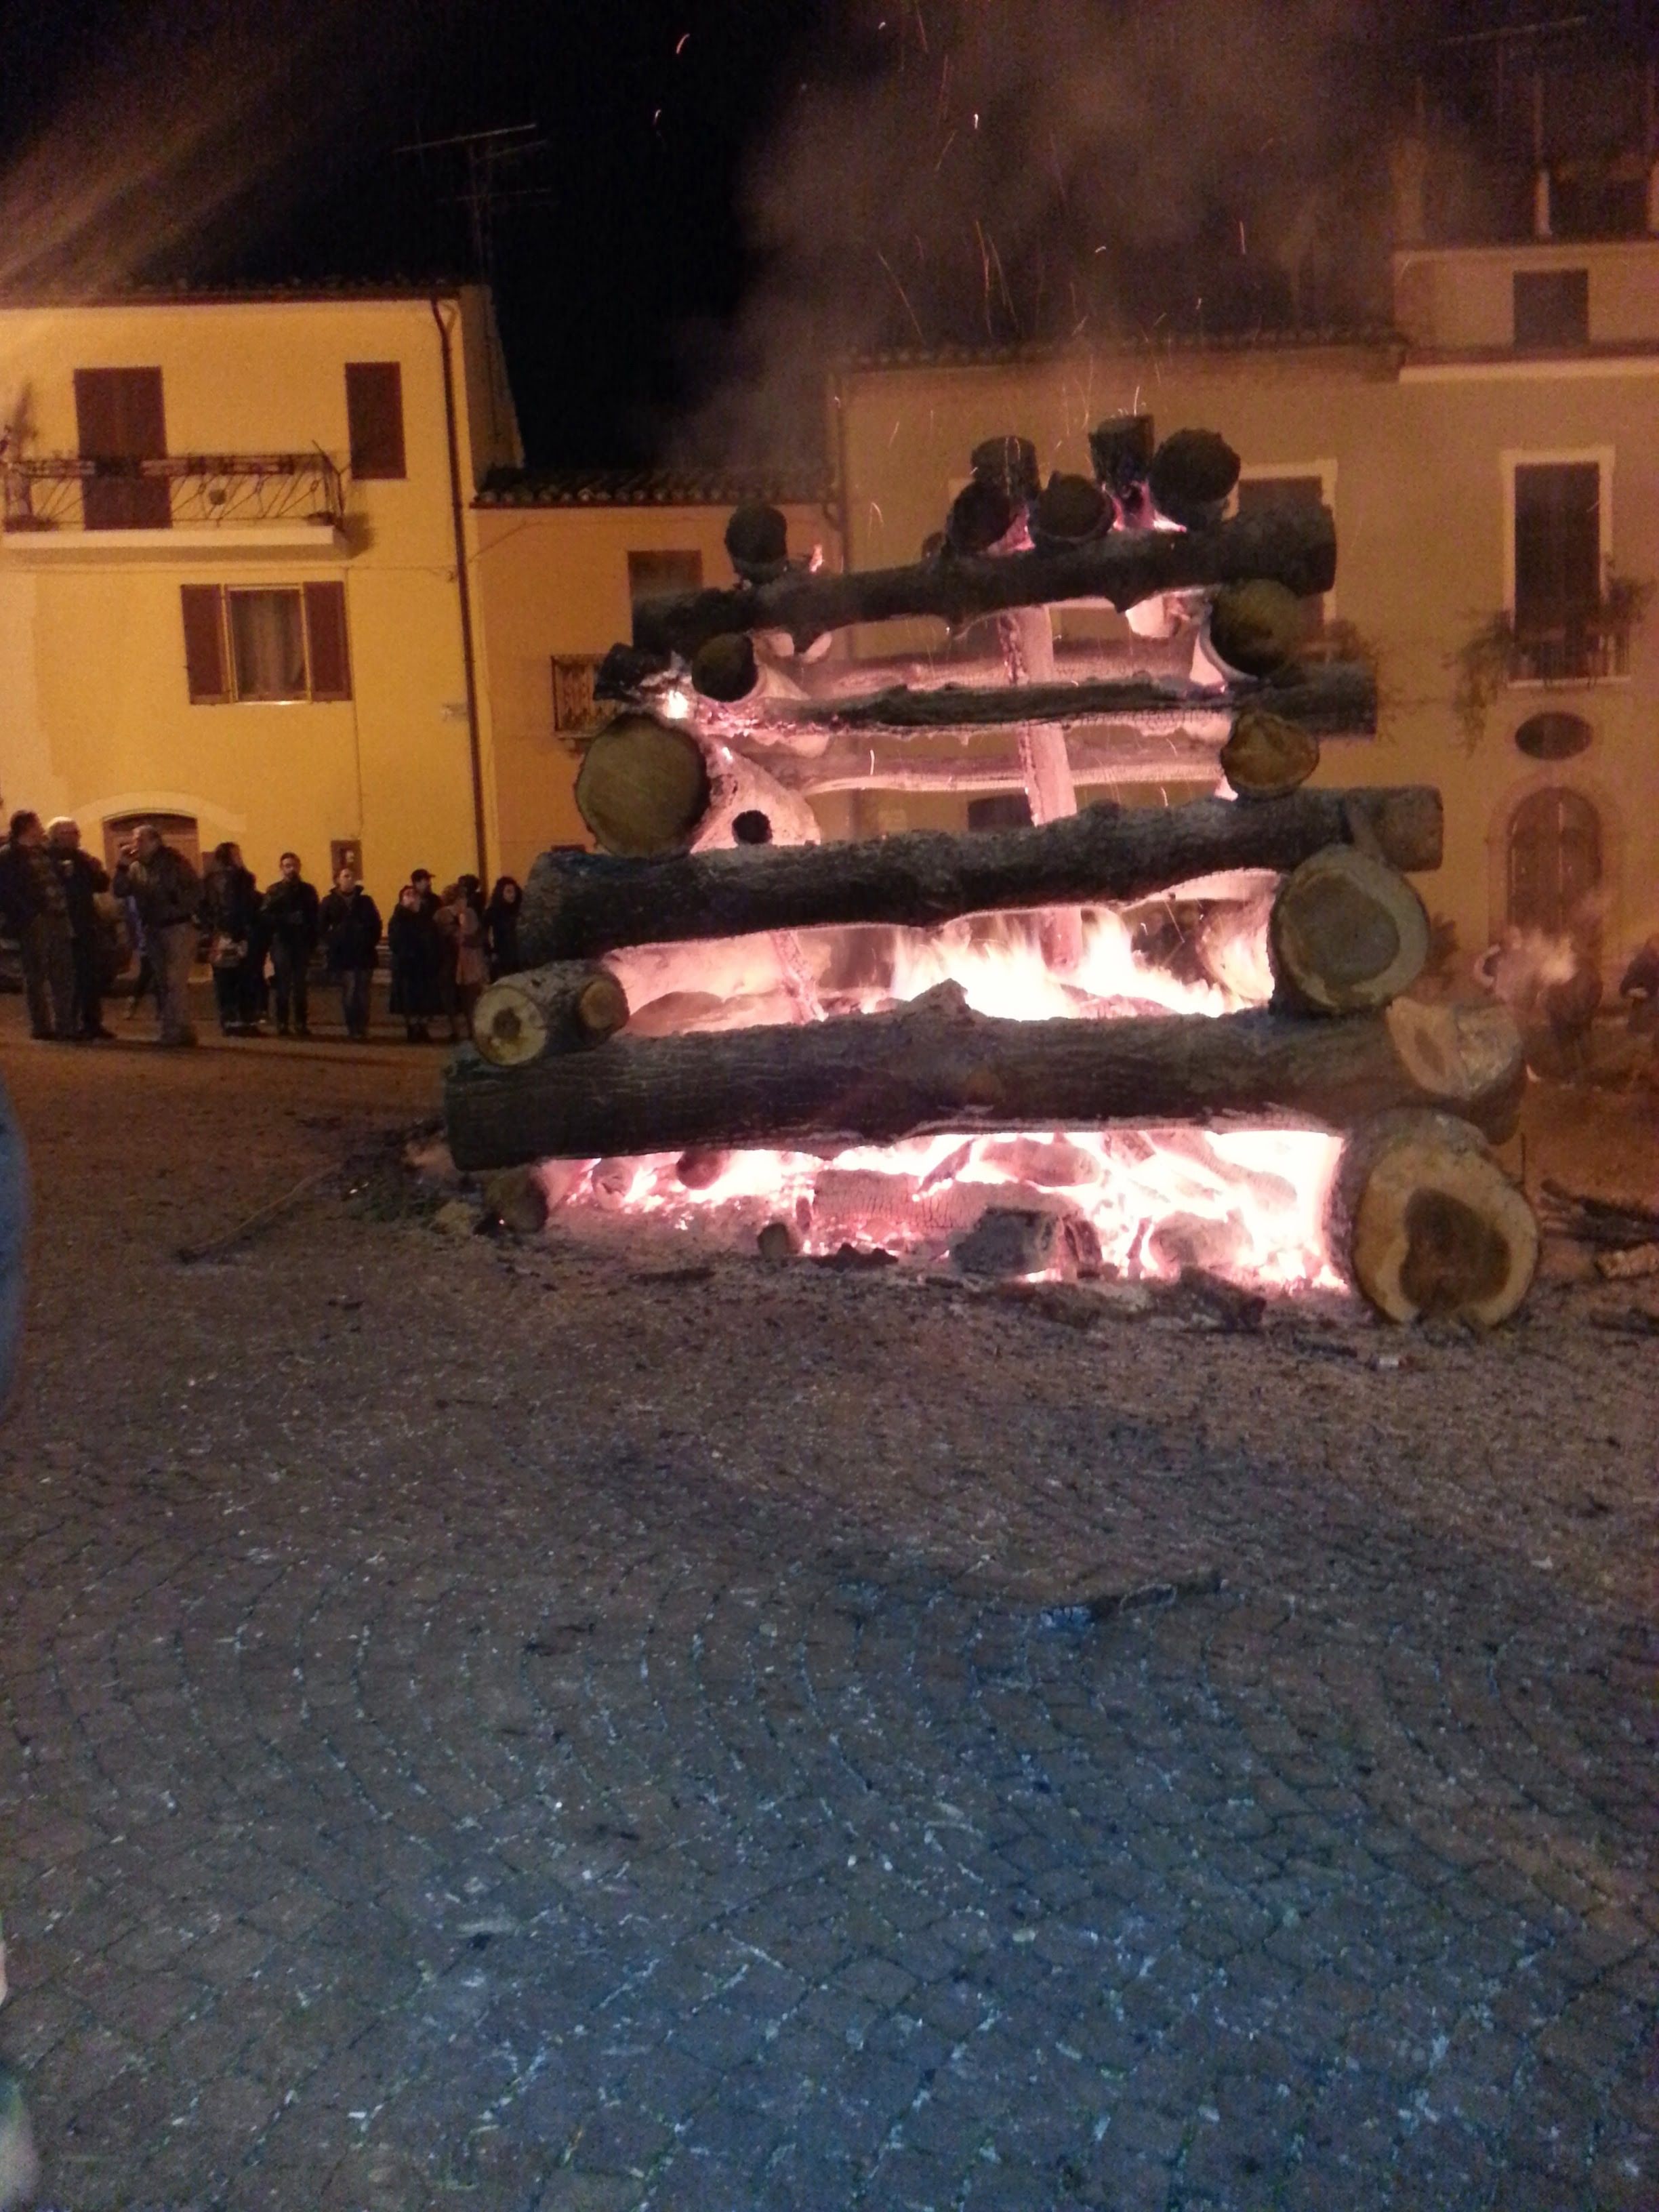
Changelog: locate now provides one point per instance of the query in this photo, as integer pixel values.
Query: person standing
(502, 927)
(416, 947)
(230, 908)
(351, 924)
(83, 880)
(291, 924)
(460, 920)
(32, 898)
(168, 893)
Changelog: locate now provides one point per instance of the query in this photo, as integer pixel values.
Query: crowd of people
(263, 947)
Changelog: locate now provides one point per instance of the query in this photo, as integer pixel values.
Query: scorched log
(1338, 700)
(569, 1007)
(1292, 546)
(577, 905)
(1136, 757)
(937, 1066)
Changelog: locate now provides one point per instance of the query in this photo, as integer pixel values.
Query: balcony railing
(181, 490)
(1586, 650)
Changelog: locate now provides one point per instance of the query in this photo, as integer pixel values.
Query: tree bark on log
(1338, 700)
(1292, 546)
(565, 1007)
(1427, 1224)
(937, 1066)
(647, 787)
(578, 905)
(1347, 935)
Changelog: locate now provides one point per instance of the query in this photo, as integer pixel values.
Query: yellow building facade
(1494, 468)
(561, 560)
(235, 566)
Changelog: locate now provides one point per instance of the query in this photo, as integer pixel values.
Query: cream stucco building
(1493, 462)
(236, 571)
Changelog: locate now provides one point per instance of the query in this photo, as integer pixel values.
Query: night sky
(728, 191)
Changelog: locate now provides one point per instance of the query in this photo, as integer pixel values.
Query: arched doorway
(180, 830)
(1554, 860)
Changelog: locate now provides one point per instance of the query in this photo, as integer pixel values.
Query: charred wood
(1295, 547)
(578, 905)
(936, 1065)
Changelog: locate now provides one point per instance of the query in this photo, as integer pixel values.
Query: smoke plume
(985, 173)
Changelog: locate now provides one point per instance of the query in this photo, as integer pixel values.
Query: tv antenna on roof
(484, 156)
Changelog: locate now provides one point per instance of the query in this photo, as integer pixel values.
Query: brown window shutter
(375, 415)
(205, 643)
(119, 417)
(325, 641)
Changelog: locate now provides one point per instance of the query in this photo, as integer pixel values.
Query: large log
(1293, 546)
(936, 1066)
(1347, 934)
(1338, 700)
(577, 905)
(647, 787)
(1427, 1224)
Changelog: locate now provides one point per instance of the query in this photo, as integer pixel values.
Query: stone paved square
(527, 1727)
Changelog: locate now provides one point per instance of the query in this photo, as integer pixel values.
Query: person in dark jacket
(291, 925)
(416, 946)
(83, 880)
(230, 908)
(168, 893)
(351, 924)
(37, 913)
(502, 927)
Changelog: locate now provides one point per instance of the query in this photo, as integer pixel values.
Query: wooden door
(1554, 860)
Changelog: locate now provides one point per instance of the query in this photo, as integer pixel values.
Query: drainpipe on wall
(469, 661)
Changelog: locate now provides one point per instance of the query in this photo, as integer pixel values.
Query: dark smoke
(989, 172)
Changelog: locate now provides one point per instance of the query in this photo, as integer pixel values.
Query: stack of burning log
(731, 710)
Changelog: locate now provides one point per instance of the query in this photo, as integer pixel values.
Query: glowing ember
(1246, 1204)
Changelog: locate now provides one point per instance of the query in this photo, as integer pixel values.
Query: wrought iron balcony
(1587, 649)
(183, 491)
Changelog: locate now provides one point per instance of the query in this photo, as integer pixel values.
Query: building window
(1559, 633)
(120, 422)
(574, 706)
(285, 643)
(654, 575)
(1552, 308)
(374, 418)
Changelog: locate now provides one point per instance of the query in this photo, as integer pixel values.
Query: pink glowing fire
(1248, 1204)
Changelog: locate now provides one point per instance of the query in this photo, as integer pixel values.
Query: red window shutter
(325, 641)
(205, 643)
(374, 417)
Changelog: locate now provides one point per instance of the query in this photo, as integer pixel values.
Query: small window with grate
(1552, 308)
(374, 419)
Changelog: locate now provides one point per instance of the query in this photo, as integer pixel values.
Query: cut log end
(643, 787)
(563, 1007)
(1468, 1058)
(1348, 936)
(1258, 627)
(1267, 755)
(725, 668)
(1429, 1224)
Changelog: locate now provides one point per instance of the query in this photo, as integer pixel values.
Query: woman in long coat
(230, 908)
(416, 947)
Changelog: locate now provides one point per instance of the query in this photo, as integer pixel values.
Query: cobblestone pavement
(551, 1731)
